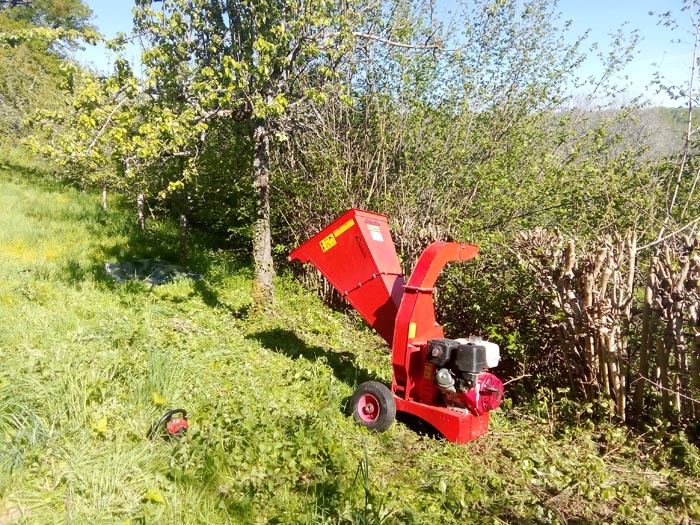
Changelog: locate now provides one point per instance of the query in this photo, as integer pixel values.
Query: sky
(658, 49)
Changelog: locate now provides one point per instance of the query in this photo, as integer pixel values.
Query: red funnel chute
(357, 256)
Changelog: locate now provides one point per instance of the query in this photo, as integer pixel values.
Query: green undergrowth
(88, 365)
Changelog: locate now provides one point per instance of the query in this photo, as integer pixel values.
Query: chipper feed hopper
(442, 381)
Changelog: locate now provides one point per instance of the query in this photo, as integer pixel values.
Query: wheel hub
(368, 406)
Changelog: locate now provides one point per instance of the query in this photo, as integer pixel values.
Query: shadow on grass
(419, 426)
(286, 342)
(159, 242)
(73, 273)
(26, 175)
(211, 298)
(120, 239)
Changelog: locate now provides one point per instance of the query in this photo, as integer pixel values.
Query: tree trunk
(184, 237)
(104, 196)
(140, 212)
(183, 200)
(263, 271)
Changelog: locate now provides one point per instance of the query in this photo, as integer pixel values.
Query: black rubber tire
(381, 399)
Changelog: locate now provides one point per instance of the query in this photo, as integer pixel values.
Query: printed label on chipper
(328, 243)
(375, 232)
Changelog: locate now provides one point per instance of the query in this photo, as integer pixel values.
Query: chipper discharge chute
(442, 381)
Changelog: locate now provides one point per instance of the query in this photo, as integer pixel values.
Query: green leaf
(155, 495)
(158, 400)
(101, 425)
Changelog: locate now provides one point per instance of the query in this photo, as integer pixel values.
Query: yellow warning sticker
(412, 330)
(328, 243)
(343, 228)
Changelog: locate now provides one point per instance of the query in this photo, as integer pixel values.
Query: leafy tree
(9, 4)
(253, 63)
(34, 37)
(87, 136)
(473, 137)
(69, 14)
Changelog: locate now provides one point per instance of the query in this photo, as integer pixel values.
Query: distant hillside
(660, 132)
(666, 128)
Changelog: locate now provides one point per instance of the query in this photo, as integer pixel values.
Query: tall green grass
(87, 366)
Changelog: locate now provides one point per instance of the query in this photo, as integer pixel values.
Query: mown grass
(87, 362)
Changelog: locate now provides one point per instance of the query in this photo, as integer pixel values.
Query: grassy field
(87, 365)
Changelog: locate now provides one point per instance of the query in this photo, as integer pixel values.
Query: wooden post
(648, 328)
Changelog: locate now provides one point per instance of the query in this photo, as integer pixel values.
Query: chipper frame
(442, 381)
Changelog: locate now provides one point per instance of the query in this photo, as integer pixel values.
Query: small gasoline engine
(460, 374)
(441, 381)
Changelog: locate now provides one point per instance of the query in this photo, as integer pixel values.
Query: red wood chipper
(442, 381)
